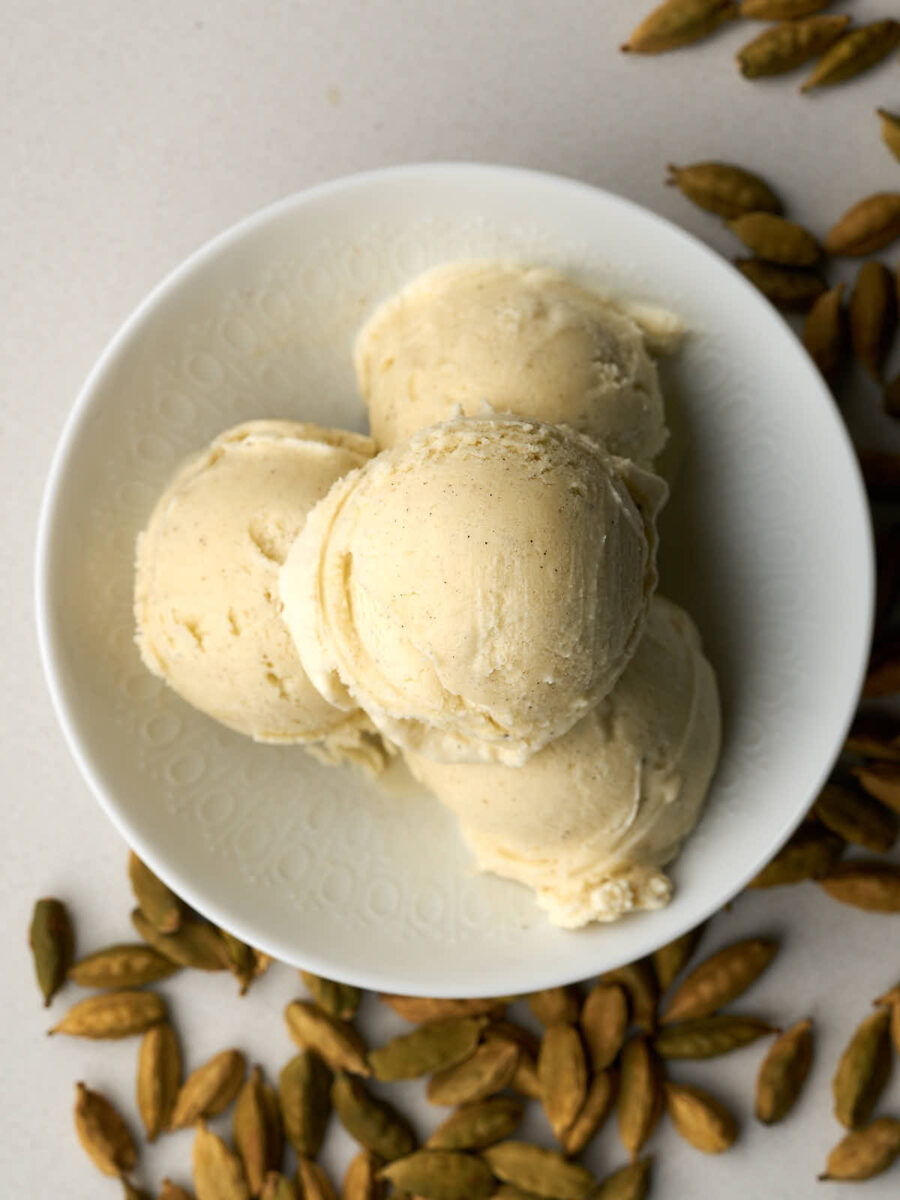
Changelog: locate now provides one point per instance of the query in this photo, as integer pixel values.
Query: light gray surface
(130, 134)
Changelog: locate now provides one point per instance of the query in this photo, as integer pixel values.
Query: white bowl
(766, 541)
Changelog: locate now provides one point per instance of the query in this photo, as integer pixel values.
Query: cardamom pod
(508, 1191)
(873, 316)
(304, 1089)
(881, 780)
(441, 1175)
(475, 1126)
(873, 886)
(628, 1183)
(251, 1131)
(604, 1023)
(524, 1079)
(374, 1123)
(789, 45)
(362, 1181)
(867, 227)
(113, 1015)
(503, 1030)
(788, 288)
(707, 1037)
(195, 944)
(240, 959)
(856, 818)
(556, 1005)
(333, 1039)
(490, 1069)
(431, 1047)
(723, 977)
(639, 982)
(783, 1072)
(670, 960)
(52, 943)
(825, 334)
(157, 902)
(856, 52)
(863, 1070)
(158, 1077)
(418, 1009)
(597, 1106)
(865, 1153)
(543, 1172)
(875, 735)
(780, 10)
(313, 1182)
(640, 1095)
(279, 1187)
(890, 131)
(776, 239)
(563, 1076)
(122, 966)
(274, 1126)
(810, 853)
(171, 1191)
(102, 1132)
(130, 1192)
(209, 1089)
(676, 23)
(338, 999)
(218, 1173)
(723, 189)
(700, 1118)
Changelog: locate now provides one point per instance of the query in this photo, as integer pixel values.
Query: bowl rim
(79, 412)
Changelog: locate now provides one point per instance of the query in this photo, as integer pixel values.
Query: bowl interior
(766, 541)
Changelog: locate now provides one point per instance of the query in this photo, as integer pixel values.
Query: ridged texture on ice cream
(477, 589)
(590, 820)
(520, 339)
(207, 607)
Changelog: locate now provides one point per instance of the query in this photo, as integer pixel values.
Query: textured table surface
(131, 133)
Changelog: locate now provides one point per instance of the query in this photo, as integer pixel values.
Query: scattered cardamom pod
(724, 189)
(374, 1123)
(604, 1023)
(872, 885)
(670, 960)
(195, 944)
(776, 239)
(314, 1184)
(563, 1076)
(890, 131)
(102, 1132)
(788, 288)
(596, 1108)
(441, 1175)
(825, 334)
(873, 316)
(209, 1089)
(113, 1015)
(475, 1126)
(783, 1072)
(780, 10)
(556, 1005)
(157, 902)
(218, 1173)
(863, 1070)
(158, 1078)
(279, 1187)
(240, 959)
(875, 735)
(676, 23)
(639, 981)
(171, 1191)
(484, 1073)
(810, 853)
(867, 227)
(333, 1039)
(543, 1172)
(304, 1091)
(418, 1009)
(251, 1131)
(856, 818)
(338, 999)
(881, 780)
(274, 1125)
(865, 1152)
(703, 1122)
(52, 945)
(640, 1099)
(504, 1030)
(362, 1180)
(789, 45)
(856, 52)
(431, 1047)
(723, 977)
(628, 1183)
(707, 1037)
(122, 966)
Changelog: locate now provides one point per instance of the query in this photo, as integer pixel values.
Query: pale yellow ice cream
(589, 822)
(206, 591)
(477, 589)
(519, 339)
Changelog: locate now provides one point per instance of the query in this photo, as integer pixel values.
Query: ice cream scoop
(589, 822)
(207, 608)
(477, 589)
(518, 339)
